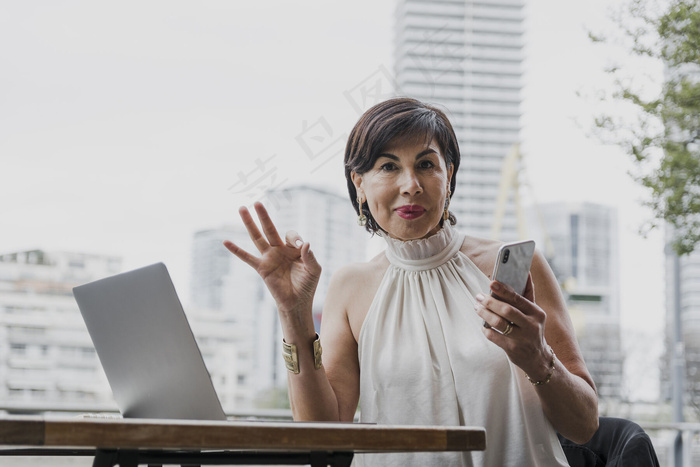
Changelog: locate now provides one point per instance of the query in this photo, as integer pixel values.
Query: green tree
(664, 138)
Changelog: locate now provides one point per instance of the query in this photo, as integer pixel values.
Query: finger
(242, 254)
(505, 293)
(491, 319)
(309, 259)
(268, 226)
(293, 239)
(497, 338)
(253, 231)
(497, 313)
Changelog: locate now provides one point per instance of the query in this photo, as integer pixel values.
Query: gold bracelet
(551, 371)
(291, 357)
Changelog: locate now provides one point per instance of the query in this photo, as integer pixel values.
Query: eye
(426, 164)
(388, 167)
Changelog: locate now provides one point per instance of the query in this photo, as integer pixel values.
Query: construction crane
(511, 172)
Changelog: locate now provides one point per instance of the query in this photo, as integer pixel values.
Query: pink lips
(410, 211)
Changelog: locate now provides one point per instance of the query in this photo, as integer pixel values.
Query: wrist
(543, 376)
(297, 324)
(292, 360)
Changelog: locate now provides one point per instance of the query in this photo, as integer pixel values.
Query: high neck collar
(424, 253)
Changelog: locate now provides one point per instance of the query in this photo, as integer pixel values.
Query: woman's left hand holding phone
(524, 343)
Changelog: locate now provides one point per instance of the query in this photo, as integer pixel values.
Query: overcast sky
(127, 126)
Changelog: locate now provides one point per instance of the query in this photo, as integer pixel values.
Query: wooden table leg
(128, 458)
(121, 457)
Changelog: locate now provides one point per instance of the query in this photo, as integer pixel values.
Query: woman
(402, 334)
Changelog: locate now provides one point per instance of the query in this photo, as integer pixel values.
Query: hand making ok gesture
(289, 268)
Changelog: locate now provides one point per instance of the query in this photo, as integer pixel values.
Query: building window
(18, 349)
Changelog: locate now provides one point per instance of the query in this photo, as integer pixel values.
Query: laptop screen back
(146, 346)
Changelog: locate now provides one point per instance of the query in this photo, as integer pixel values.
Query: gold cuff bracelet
(291, 357)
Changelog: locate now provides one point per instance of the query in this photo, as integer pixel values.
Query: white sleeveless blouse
(424, 361)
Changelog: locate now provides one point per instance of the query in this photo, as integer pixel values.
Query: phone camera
(506, 255)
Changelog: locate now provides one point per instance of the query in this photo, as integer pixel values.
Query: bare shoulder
(352, 289)
(360, 274)
(482, 252)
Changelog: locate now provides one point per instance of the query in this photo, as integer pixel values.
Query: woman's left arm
(566, 390)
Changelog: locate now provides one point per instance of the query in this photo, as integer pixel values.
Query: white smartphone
(513, 266)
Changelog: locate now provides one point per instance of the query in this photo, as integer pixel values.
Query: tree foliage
(665, 138)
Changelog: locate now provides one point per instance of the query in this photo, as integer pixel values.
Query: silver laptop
(146, 346)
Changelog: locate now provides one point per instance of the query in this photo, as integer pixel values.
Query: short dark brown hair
(388, 121)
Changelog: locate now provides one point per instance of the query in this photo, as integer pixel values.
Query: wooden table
(131, 442)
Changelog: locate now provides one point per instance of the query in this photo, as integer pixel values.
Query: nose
(410, 183)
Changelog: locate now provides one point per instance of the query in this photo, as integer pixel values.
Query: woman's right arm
(332, 392)
(291, 273)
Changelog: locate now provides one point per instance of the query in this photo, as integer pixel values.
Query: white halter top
(424, 361)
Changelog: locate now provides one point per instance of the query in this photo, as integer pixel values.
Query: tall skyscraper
(325, 220)
(467, 57)
(584, 240)
(47, 359)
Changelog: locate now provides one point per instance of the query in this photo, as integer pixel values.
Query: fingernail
(298, 243)
(496, 286)
(479, 297)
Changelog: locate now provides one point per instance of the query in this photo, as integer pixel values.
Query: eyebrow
(424, 152)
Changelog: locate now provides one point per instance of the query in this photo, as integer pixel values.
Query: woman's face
(406, 189)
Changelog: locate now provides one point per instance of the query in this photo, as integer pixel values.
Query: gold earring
(362, 219)
(446, 213)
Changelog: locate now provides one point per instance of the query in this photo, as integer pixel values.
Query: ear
(357, 181)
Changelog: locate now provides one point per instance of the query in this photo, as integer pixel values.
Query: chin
(413, 234)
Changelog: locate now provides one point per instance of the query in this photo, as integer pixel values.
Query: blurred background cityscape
(128, 139)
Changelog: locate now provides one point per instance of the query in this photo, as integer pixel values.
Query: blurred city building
(225, 285)
(47, 359)
(683, 288)
(466, 56)
(584, 257)
(228, 294)
(220, 339)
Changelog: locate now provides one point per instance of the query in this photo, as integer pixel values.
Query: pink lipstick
(412, 211)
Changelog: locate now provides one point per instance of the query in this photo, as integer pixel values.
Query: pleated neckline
(424, 253)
